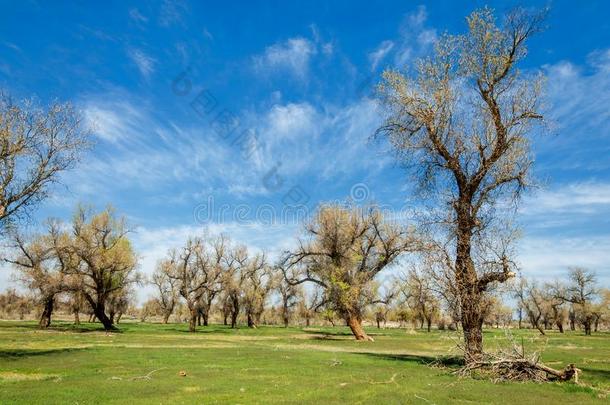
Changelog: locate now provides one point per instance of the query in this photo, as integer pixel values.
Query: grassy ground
(141, 364)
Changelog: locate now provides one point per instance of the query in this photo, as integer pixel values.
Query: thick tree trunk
(47, 311)
(560, 326)
(470, 293)
(355, 325)
(105, 320)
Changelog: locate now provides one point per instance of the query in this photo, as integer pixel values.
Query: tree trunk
(101, 315)
(118, 319)
(47, 311)
(560, 326)
(308, 321)
(166, 317)
(224, 318)
(355, 325)
(251, 323)
(76, 318)
(378, 324)
(429, 324)
(587, 325)
(199, 319)
(193, 320)
(206, 317)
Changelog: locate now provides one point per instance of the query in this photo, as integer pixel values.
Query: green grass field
(141, 364)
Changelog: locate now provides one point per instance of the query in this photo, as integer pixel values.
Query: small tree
(344, 249)
(418, 295)
(289, 296)
(167, 289)
(40, 271)
(581, 291)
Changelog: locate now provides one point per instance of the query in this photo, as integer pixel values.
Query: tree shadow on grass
(62, 327)
(443, 361)
(14, 354)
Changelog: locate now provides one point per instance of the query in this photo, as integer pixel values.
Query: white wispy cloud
(145, 63)
(547, 258)
(292, 55)
(135, 15)
(380, 53)
(577, 198)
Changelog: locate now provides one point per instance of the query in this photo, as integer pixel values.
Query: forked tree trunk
(355, 325)
(47, 311)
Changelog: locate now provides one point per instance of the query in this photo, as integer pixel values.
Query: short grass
(142, 364)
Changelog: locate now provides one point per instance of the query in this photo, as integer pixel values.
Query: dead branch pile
(516, 365)
(516, 369)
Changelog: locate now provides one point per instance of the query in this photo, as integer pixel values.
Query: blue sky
(253, 107)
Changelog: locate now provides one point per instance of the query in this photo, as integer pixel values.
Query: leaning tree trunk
(355, 324)
(104, 319)
(47, 311)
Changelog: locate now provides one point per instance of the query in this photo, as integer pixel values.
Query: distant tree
(39, 270)
(532, 300)
(289, 296)
(310, 304)
(581, 291)
(462, 124)
(167, 288)
(418, 295)
(198, 270)
(257, 284)
(343, 251)
(36, 146)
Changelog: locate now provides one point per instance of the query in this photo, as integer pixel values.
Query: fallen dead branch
(147, 376)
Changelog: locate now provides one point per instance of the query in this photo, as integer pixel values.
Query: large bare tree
(344, 249)
(462, 122)
(36, 145)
